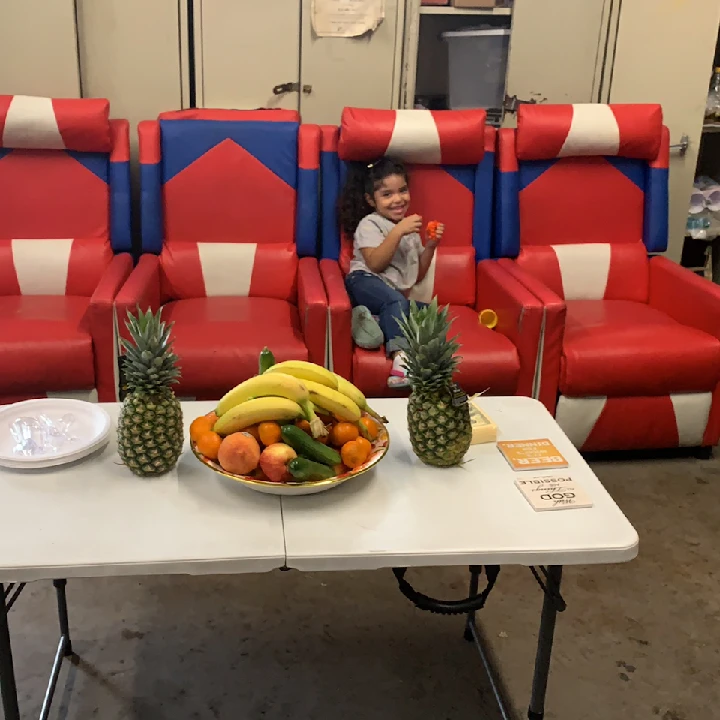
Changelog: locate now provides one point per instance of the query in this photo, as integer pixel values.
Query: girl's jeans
(383, 301)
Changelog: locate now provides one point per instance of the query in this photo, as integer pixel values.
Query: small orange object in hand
(432, 230)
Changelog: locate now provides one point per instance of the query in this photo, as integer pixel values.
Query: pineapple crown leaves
(150, 363)
(431, 356)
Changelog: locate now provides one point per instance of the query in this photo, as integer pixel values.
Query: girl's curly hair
(363, 179)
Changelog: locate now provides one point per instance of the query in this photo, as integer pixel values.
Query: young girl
(388, 254)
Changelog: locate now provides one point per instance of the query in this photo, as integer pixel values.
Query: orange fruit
(304, 425)
(342, 433)
(366, 445)
(269, 433)
(353, 454)
(212, 417)
(253, 430)
(209, 444)
(371, 428)
(239, 453)
(200, 426)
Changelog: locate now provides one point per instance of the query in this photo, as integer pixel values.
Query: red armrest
(101, 320)
(312, 305)
(142, 289)
(684, 296)
(519, 315)
(552, 331)
(340, 329)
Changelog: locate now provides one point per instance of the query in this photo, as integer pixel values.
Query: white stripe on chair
(227, 268)
(577, 417)
(594, 130)
(584, 269)
(415, 137)
(425, 290)
(692, 411)
(30, 123)
(42, 265)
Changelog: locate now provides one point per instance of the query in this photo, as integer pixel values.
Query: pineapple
(150, 428)
(438, 413)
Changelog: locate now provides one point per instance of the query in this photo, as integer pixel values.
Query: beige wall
(38, 48)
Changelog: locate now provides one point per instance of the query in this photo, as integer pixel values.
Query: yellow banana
(305, 371)
(349, 390)
(257, 410)
(278, 385)
(333, 401)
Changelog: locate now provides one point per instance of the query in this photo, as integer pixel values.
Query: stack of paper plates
(91, 429)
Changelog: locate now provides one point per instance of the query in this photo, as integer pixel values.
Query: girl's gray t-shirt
(402, 272)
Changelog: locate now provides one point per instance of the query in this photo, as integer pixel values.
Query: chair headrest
(545, 132)
(37, 123)
(221, 115)
(443, 137)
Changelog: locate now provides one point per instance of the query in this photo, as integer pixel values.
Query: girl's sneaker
(365, 329)
(398, 378)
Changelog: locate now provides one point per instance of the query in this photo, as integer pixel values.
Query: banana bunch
(289, 390)
(314, 375)
(271, 396)
(257, 410)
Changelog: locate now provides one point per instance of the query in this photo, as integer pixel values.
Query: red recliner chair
(631, 343)
(229, 207)
(450, 158)
(64, 213)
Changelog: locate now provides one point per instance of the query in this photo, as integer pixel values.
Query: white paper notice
(346, 18)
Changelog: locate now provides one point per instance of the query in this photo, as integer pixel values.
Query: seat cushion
(218, 340)
(44, 345)
(489, 360)
(619, 348)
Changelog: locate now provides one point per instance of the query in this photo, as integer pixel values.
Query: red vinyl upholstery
(64, 212)
(631, 345)
(446, 154)
(230, 207)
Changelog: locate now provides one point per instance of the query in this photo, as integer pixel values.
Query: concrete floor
(637, 641)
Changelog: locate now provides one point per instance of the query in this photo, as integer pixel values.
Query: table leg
(474, 585)
(8, 689)
(545, 642)
(64, 648)
(63, 614)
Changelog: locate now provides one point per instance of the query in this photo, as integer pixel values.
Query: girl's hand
(410, 224)
(434, 232)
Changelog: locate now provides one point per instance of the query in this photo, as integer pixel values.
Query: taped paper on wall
(346, 18)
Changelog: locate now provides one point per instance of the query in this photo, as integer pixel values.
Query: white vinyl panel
(246, 48)
(130, 54)
(644, 71)
(359, 72)
(38, 48)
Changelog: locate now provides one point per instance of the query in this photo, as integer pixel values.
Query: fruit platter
(293, 429)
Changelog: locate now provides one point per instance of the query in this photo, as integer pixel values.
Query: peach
(274, 460)
(239, 453)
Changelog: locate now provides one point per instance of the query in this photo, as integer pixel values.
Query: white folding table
(95, 518)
